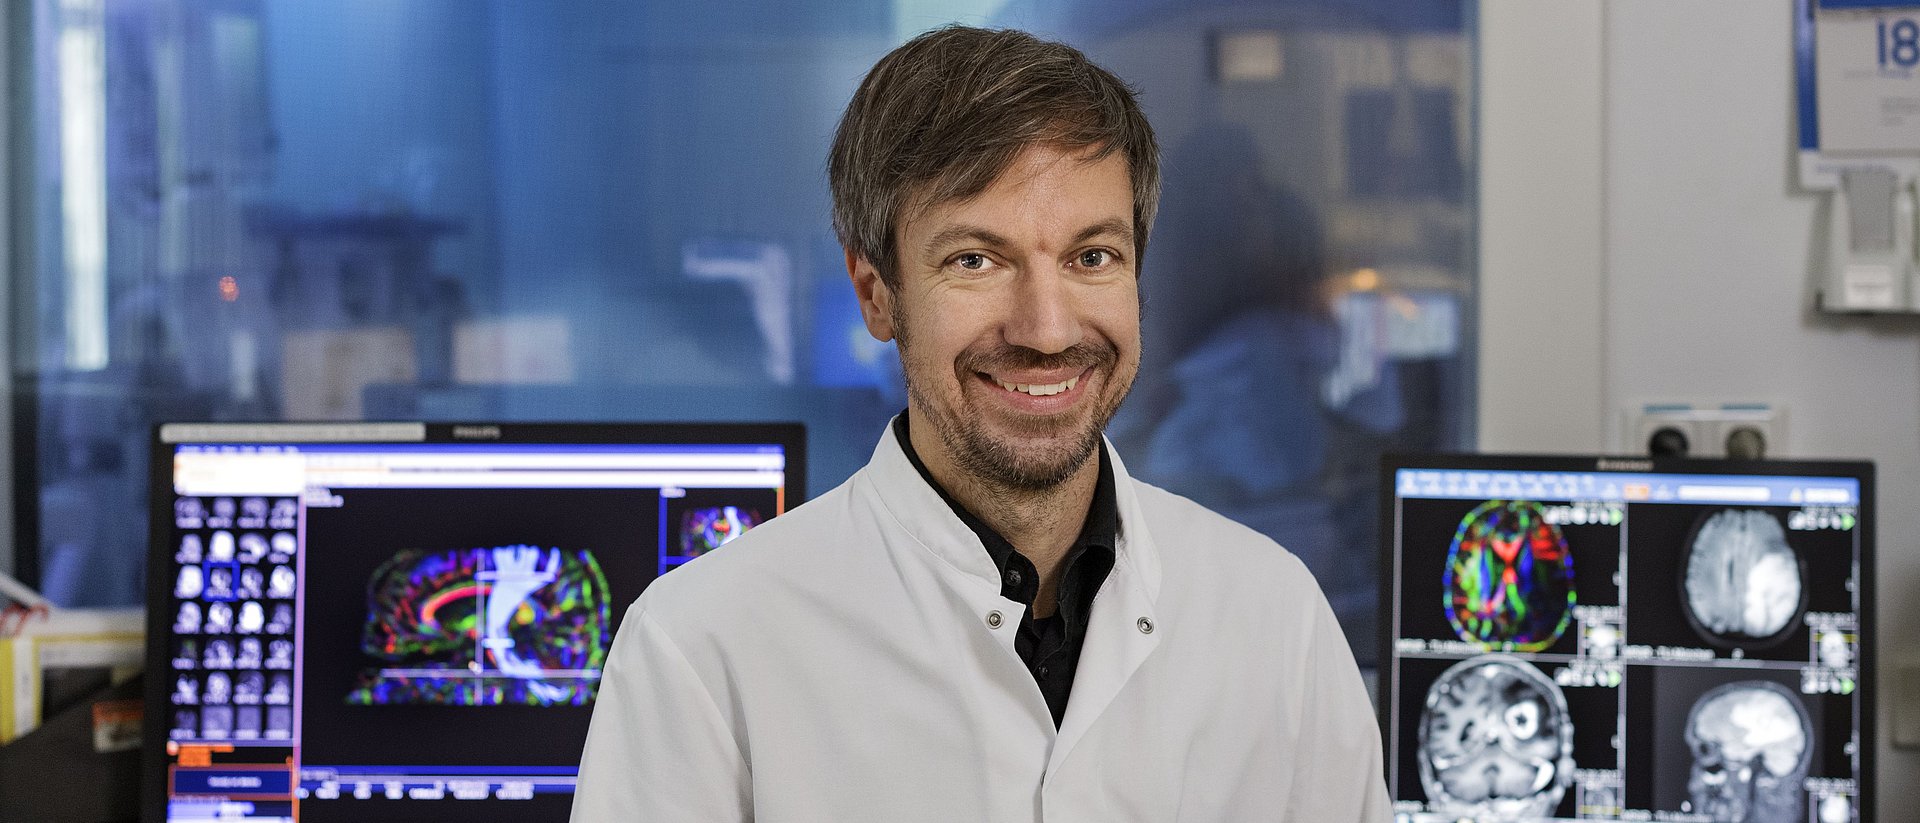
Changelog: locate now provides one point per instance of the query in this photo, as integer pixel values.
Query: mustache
(1004, 357)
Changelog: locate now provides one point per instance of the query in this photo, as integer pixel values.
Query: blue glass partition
(613, 210)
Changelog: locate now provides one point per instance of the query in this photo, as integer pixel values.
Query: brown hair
(940, 117)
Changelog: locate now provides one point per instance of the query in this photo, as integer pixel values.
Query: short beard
(996, 464)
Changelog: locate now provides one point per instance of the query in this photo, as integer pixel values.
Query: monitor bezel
(165, 437)
(1861, 471)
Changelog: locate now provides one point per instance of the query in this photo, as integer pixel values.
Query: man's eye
(971, 262)
(1095, 258)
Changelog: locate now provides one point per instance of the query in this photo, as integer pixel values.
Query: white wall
(1680, 270)
(7, 109)
(1541, 357)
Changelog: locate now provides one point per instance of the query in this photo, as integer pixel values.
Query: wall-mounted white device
(1746, 431)
(1872, 263)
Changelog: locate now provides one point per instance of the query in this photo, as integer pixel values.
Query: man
(990, 621)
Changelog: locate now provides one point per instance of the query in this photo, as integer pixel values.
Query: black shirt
(1049, 646)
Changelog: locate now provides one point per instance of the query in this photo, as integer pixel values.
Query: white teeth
(1038, 390)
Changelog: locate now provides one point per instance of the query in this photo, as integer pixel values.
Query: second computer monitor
(1586, 638)
(408, 621)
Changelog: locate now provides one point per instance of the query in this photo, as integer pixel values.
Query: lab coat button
(1145, 624)
(993, 619)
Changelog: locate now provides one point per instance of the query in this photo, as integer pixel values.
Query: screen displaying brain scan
(1509, 578)
(1742, 578)
(1496, 741)
(1598, 639)
(504, 625)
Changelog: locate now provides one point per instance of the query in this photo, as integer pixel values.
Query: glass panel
(607, 210)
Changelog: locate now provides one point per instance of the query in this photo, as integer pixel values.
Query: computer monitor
(1627, 639)
(381, 621)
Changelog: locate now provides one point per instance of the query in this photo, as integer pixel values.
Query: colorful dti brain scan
(1508, 583)
(705, 529)
(508, 625)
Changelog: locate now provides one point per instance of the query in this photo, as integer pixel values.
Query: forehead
(1044, 190)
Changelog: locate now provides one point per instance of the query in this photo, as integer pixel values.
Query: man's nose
(1043, 317)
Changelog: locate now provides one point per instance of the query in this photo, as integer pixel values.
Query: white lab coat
(842, 662)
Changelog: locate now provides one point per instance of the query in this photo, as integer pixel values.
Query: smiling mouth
(1039, 389)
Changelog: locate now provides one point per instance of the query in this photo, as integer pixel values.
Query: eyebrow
(952, 235)
(1120, 229)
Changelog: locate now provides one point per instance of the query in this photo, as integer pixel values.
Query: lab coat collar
(918, 508)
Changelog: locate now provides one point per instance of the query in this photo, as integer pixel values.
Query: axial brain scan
(1742, 580)
(703, 530)
(1496, 742)
(513, 625)
(1751, 744)
(1509, 578)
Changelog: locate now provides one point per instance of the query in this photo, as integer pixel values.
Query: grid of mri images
(1592, 646)
(234, 581)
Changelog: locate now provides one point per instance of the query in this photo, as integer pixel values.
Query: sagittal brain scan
(705, 529)
(510, 625)
(1741, 579)
(1496, 741)
(1509, 578)
(1751, 743)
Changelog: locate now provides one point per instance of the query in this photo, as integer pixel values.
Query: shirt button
(1145, 624)
(994, 619)
(1044, 670)
(1013, 578)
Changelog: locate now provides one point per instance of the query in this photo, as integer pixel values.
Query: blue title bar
(233, 782)
(1869, 4)
(1717, 489)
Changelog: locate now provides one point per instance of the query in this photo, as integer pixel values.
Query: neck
(1042, 524)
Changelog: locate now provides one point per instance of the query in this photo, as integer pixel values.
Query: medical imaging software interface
(415, 631)
(1625, 645)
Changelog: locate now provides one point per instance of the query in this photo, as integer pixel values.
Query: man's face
(1017, 314)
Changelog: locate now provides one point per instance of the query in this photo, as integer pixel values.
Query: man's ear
(876, 298)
